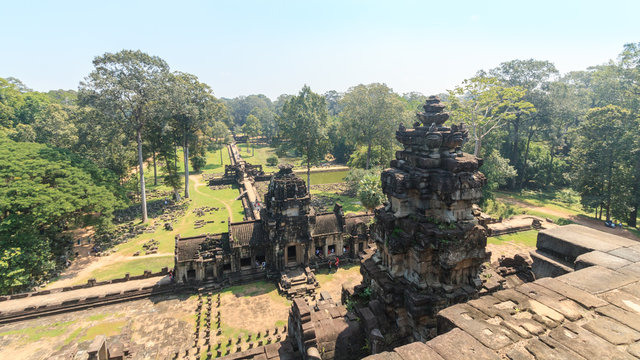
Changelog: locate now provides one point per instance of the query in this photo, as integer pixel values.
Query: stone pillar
(98, 348)
(200, 271)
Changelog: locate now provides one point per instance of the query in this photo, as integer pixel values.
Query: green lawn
(325, 177)
(213, 161)
(213, 165)
(262, 152)
(134, 267)
(562, 200)
(528, 238)
(349, 204)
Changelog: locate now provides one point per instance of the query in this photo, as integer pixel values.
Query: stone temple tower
(430, 246)
(286, 218)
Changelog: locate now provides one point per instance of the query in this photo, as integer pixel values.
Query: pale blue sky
(274, 47)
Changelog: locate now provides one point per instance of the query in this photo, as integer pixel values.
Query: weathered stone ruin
(325, 330)
(430, 245)
(288, 237)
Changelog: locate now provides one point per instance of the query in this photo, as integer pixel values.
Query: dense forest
(70, 158)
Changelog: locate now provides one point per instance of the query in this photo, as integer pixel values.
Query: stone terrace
(591, 312)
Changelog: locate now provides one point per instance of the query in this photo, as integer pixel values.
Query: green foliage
(356, 175)
(599, 172)
(370, 192)
(371, 114)
(272, 160)
(242, 106)
(267, 120)
(498, 172)
(124, 88)
(44, 191)
(303, 125)
(198, 162)
(379, 157)
(484, 104)
(499, 209)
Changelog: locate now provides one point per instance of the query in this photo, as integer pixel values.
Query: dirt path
(578, 219)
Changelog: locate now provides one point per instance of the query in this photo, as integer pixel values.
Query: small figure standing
(337, 263)
(329, 265)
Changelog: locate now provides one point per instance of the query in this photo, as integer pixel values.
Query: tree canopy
(303, 124)
(124, 87)
(44, 191)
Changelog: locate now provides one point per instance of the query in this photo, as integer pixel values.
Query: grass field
(565, 201)
(558, 206)
(133, 267)
(326, 177)
(349, 204)
(261, 153)
(527, 238)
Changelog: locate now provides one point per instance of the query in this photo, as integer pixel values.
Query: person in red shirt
(337, 263)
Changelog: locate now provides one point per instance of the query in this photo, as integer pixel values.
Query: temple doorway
(291, 255)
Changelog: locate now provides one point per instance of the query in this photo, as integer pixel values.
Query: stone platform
(573, 247)
(590, 313)
(297, 282)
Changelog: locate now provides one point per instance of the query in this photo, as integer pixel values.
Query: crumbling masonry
(430, 245)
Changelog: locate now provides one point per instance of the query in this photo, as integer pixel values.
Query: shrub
(198, 162)
(272, 160)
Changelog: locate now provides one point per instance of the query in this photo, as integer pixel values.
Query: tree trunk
(186, 167)
(308, 175)
(514, 148)
(633, 216)
(143, 195)
(600, 216)
(550, 170)
(476, 149)
(526, 157)
(175, 156)
(369, 155)
(609, 189)
(155, 170)
(221, 161)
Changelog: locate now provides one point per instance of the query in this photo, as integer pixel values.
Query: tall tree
(221, 136)
(630, 64)
(124, 87)
(485, 105)
(251, 128)
(533, 76)
(371, 115)
(10, 101)
(303, 124)
(269, 127)
(598, 165)
(192, 106)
